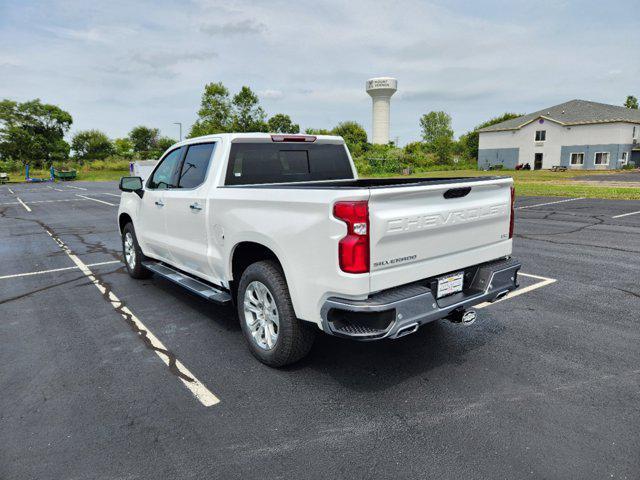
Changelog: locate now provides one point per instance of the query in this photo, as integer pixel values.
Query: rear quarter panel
(298, 226)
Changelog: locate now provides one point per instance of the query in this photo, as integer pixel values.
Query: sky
(117, 64)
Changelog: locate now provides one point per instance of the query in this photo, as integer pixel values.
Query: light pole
(179, 124)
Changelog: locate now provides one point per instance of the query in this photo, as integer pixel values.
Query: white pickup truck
(281, 226)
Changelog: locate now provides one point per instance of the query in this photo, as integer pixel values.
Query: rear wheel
(274, 334)
(133, 256)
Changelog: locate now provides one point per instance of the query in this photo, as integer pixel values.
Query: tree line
(34, 132)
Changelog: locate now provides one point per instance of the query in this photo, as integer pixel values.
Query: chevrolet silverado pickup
(282, 227)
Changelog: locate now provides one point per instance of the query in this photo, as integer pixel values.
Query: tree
(435, 125)
(214, 115)
(164, 143)
(442, 147)
(144, 139)
(33, 132)
(123, 147)
(470, 140)
(281, 123)
(317, 131)
(355, 136)
(91, 145)
(248, 115)
(631, 102)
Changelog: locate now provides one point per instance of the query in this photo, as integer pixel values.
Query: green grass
(102, 175)
(587, 191)
(546, 183)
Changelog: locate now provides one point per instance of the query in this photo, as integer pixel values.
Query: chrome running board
(189, 282)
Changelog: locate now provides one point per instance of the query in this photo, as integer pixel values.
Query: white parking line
(112, 194)
(544, 281)
(56, 189)
(48, 201)
(626, 214)
(96, 200)
(77, 188)
(23, 204)
(40, 272)
(549, 203)
(11, 191)
(202, 393)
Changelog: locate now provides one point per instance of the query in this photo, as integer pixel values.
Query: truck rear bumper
(395, 312)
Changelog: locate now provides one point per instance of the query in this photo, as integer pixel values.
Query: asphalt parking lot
(546, 384)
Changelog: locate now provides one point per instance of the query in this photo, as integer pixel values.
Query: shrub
(110, 163)
(66, 165)
(10, 166)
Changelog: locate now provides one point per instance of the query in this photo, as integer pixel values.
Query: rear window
(251, 163)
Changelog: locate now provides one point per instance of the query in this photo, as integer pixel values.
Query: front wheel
(133, 256)
(274, 334)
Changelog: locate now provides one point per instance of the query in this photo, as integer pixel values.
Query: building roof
(573, 112)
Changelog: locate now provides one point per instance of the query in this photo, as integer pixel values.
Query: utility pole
(179, 124)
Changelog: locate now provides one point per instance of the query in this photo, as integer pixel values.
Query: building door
(635, 157)
(537, 162)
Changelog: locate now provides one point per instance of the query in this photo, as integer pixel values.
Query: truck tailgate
(426, 230)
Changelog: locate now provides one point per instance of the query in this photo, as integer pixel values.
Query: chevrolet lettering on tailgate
(418, 222)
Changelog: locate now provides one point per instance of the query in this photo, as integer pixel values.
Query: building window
(541, 135)
(601, 158)
(577, 159)
(635, 133)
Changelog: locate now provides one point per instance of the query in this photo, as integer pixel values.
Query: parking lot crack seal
(119, 306)
(206, 397)
(573, 244)
(43, 289)
(629, 292)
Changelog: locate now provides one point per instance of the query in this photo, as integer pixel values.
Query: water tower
(381, 89)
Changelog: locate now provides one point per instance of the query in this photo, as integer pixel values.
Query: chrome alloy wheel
(129, 250)
(261, 315)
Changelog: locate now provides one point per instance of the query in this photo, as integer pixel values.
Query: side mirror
(132, 184)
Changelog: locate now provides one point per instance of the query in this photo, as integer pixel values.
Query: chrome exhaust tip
(407, 330)
(463, 317)
(468, 317)
(500, 295)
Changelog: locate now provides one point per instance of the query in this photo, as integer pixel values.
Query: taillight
(353, 249)
(293, 138)
(512, 217)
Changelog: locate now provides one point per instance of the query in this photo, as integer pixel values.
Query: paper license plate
(450, 284)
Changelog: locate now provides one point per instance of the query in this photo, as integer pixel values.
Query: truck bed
(371, 182)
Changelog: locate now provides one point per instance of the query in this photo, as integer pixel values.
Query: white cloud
(98, 34)
(271, 94)
(240, 27)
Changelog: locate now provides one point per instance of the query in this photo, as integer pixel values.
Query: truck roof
(260, 137)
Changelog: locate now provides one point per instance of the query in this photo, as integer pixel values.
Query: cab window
(253, 163)
(195, 165)
(164, 175)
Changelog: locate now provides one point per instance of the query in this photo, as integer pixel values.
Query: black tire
(294, 337)
(136, 270)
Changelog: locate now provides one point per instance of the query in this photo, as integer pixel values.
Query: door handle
(159, 203)
(195, 206)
